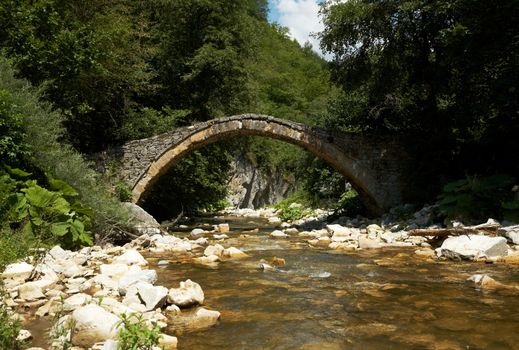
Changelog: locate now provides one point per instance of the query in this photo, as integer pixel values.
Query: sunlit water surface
(322, 299)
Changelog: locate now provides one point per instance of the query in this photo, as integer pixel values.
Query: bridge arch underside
(350, 167)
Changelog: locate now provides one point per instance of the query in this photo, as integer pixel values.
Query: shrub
(294, 207)
(478, 198)
(54, 215)
(349, 204)
(123, 191)
(136, 335)
(46, 151)
(9, 327)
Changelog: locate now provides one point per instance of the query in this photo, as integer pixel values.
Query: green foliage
(9, 327)
(294, 207)
(54, 215)
(12, 147)
(123, 191)
(323, 183)
(478, 198)
(136, 335)
(445, 70)
(197, 183)
(48, 157)
(90, 57)
(350, 204)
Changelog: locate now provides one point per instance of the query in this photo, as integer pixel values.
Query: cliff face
(251, 188)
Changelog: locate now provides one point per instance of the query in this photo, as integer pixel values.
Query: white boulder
(131, 278)
(93, 324)
(18, 271)
(278, 234)
(131, 257)
(189, 293)
(233, 253)
(114, 270)
(216, 249)
(153, 297)
(510, 232)
(473, 247)
(75, 301)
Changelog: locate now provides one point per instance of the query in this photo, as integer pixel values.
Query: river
(323, 299)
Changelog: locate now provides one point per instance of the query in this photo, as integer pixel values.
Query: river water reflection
(322, 299)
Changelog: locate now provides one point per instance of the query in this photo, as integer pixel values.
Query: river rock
(153, 297)
(23, 335)
(102, 280)
(114, 270)
(131, 257)
(131, 278)
(291, 231)
(223, 228)
(110, 344)
(143, 222)
(20, 271)
(274, 220)
(208, 260)
(233, 253)
(425, 252)
(33, 290)
(342, 246)
(374, 231)
(58, 253)
(510, 232)
(75, 301)
(367, 243)
(473, 247)
(168, 342)
(488, 283)
(74, 271)
(194, 320)
(114, 306)
(220, 237)
(197, 232)
(93, 324)
(216, 249)
(278, 234)
(189, 293)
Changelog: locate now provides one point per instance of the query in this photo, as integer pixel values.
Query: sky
(300, 17)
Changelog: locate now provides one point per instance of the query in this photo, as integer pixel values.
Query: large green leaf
(77, 229)
(36, 217)
(78, 207)
(38, 196)
(60, 228)
(63, 188)
(17, 173)
(61, 205)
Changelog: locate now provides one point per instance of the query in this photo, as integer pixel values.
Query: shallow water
(321, 299)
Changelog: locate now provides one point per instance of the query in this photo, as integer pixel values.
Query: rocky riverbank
(90, 292)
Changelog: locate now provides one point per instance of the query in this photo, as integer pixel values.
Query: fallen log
(487, 229)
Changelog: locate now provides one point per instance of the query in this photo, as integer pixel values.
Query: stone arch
(358, 159)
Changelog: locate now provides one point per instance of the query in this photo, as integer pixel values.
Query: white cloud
(301, 18)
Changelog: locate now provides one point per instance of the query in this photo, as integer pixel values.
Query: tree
(90, 56)
(203, 44)
(445, 69)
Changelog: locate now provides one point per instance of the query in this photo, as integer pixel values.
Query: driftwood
(487, 228)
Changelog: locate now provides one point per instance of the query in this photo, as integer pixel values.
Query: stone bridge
(376, 167)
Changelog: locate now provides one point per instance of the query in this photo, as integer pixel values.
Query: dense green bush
(46, 156)
(478, 198)
(53, 216)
